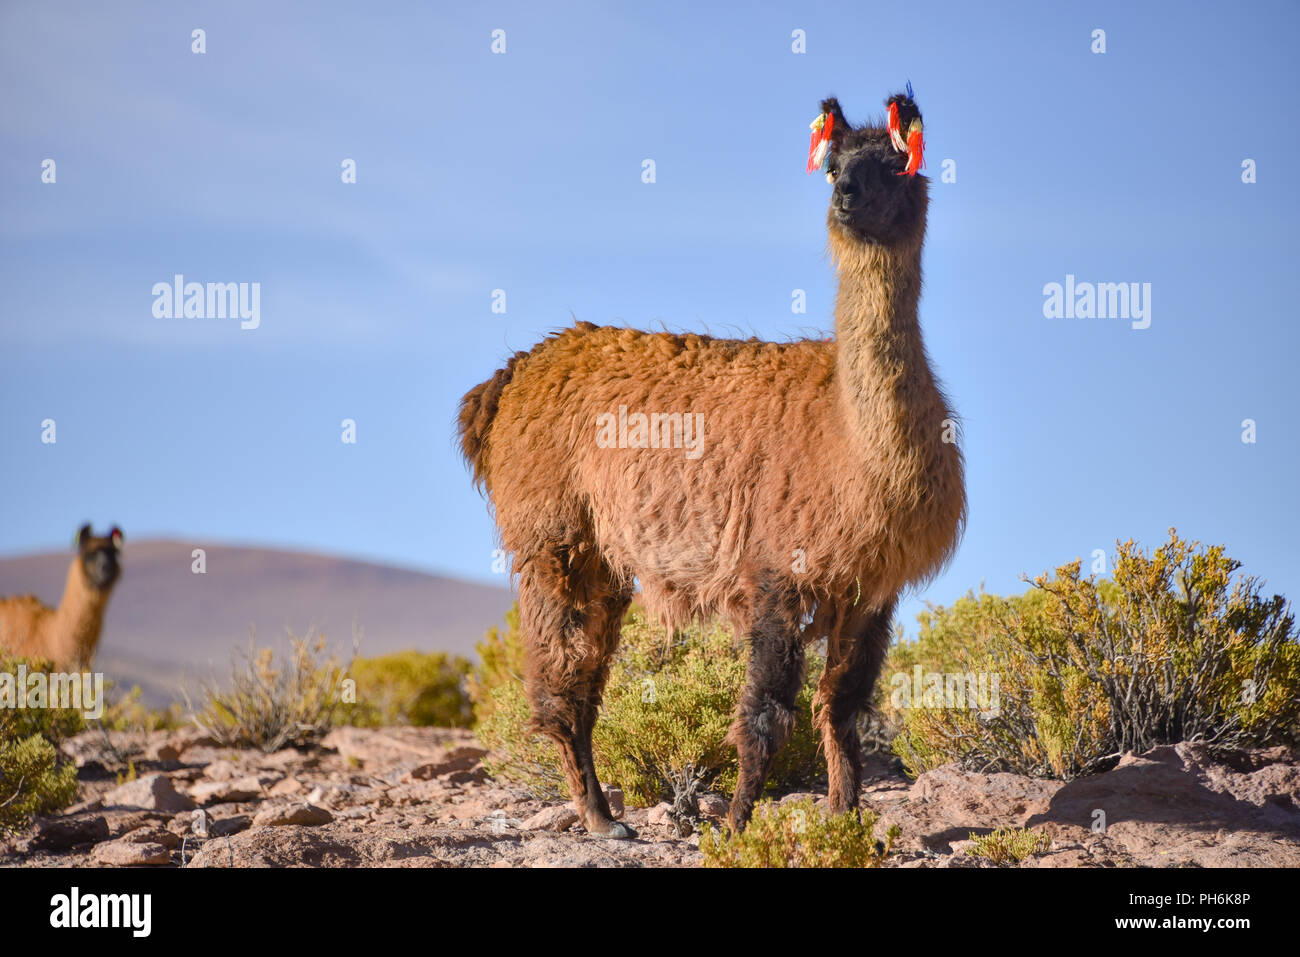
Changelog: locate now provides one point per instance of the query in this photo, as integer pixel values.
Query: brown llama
(68, 635)
(829, 482)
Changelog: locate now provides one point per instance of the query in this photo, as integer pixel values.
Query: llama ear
(116, 536)
(904, 115)
(827, 130)
(831, 106)
(83, 536)
(905, 129)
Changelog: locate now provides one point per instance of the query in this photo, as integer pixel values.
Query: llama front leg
(572, 736)
(568, 654)
(765, 716)
(853, 659)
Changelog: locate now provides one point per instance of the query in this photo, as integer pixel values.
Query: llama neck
(79, 618)
(892, 402)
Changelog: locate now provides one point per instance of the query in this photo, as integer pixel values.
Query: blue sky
(521, 172)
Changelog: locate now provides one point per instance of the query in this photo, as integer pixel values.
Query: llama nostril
(848, 196)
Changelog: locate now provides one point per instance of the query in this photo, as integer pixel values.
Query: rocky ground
(418, 797)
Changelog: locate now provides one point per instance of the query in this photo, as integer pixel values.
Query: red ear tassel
(915, 149)
(819, 145)
(812, 149)
(895, 129)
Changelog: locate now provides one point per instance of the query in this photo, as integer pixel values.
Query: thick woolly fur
(66, 636)
(825, 481)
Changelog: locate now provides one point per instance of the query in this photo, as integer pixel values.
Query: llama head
(99, 556)
(877, 196)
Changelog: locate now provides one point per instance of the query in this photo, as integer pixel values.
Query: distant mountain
(166, 624)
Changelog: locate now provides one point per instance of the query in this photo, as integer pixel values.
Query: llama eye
(830, 177)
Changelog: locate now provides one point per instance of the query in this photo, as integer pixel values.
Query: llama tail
(477, 410)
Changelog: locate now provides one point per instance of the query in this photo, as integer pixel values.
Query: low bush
(1176, 646)
(667, 707)
(1008, 845)
(34, 776)
(798, 834)
(271, 704)
(411, 687)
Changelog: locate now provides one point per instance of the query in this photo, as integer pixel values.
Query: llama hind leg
(853, 660)
(765, 716)
(570, 640)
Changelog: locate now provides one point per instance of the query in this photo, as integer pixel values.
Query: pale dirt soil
(419, 797)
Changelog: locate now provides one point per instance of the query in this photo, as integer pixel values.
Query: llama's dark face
(873, 199)
(100, 556)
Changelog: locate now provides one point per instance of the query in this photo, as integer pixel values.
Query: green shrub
(411, 687)
(1009, 845)
(798, 834)
(666, 712)
(667, 707)
(34, 779)
(1175, 647)
(272, 704)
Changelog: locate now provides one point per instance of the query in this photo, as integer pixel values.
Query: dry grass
(271, 704)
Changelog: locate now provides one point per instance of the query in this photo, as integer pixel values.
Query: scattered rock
(223, 769)
(419, 797)
(153, 792)
(60, 833)
(286, 787)
(231, 825)
(445, 748)
(803, 796)
(131, 854)
(103, 750)
(561, 817)
(615, 798)
(435, 846)
(287, 758)
(181, 823)
(278, 847)
(307, 815)
(1172, 806)
(340, 795)
(182, 739)
(475, 776)
(461, 758)
(247, 788)
(152, 835)
(714, 806)
(163, 752)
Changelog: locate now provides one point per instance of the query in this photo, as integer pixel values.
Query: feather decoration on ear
(819, 145)
(915, 149)
(895, 129)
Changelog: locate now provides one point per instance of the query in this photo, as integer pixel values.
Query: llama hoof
(614, 831)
